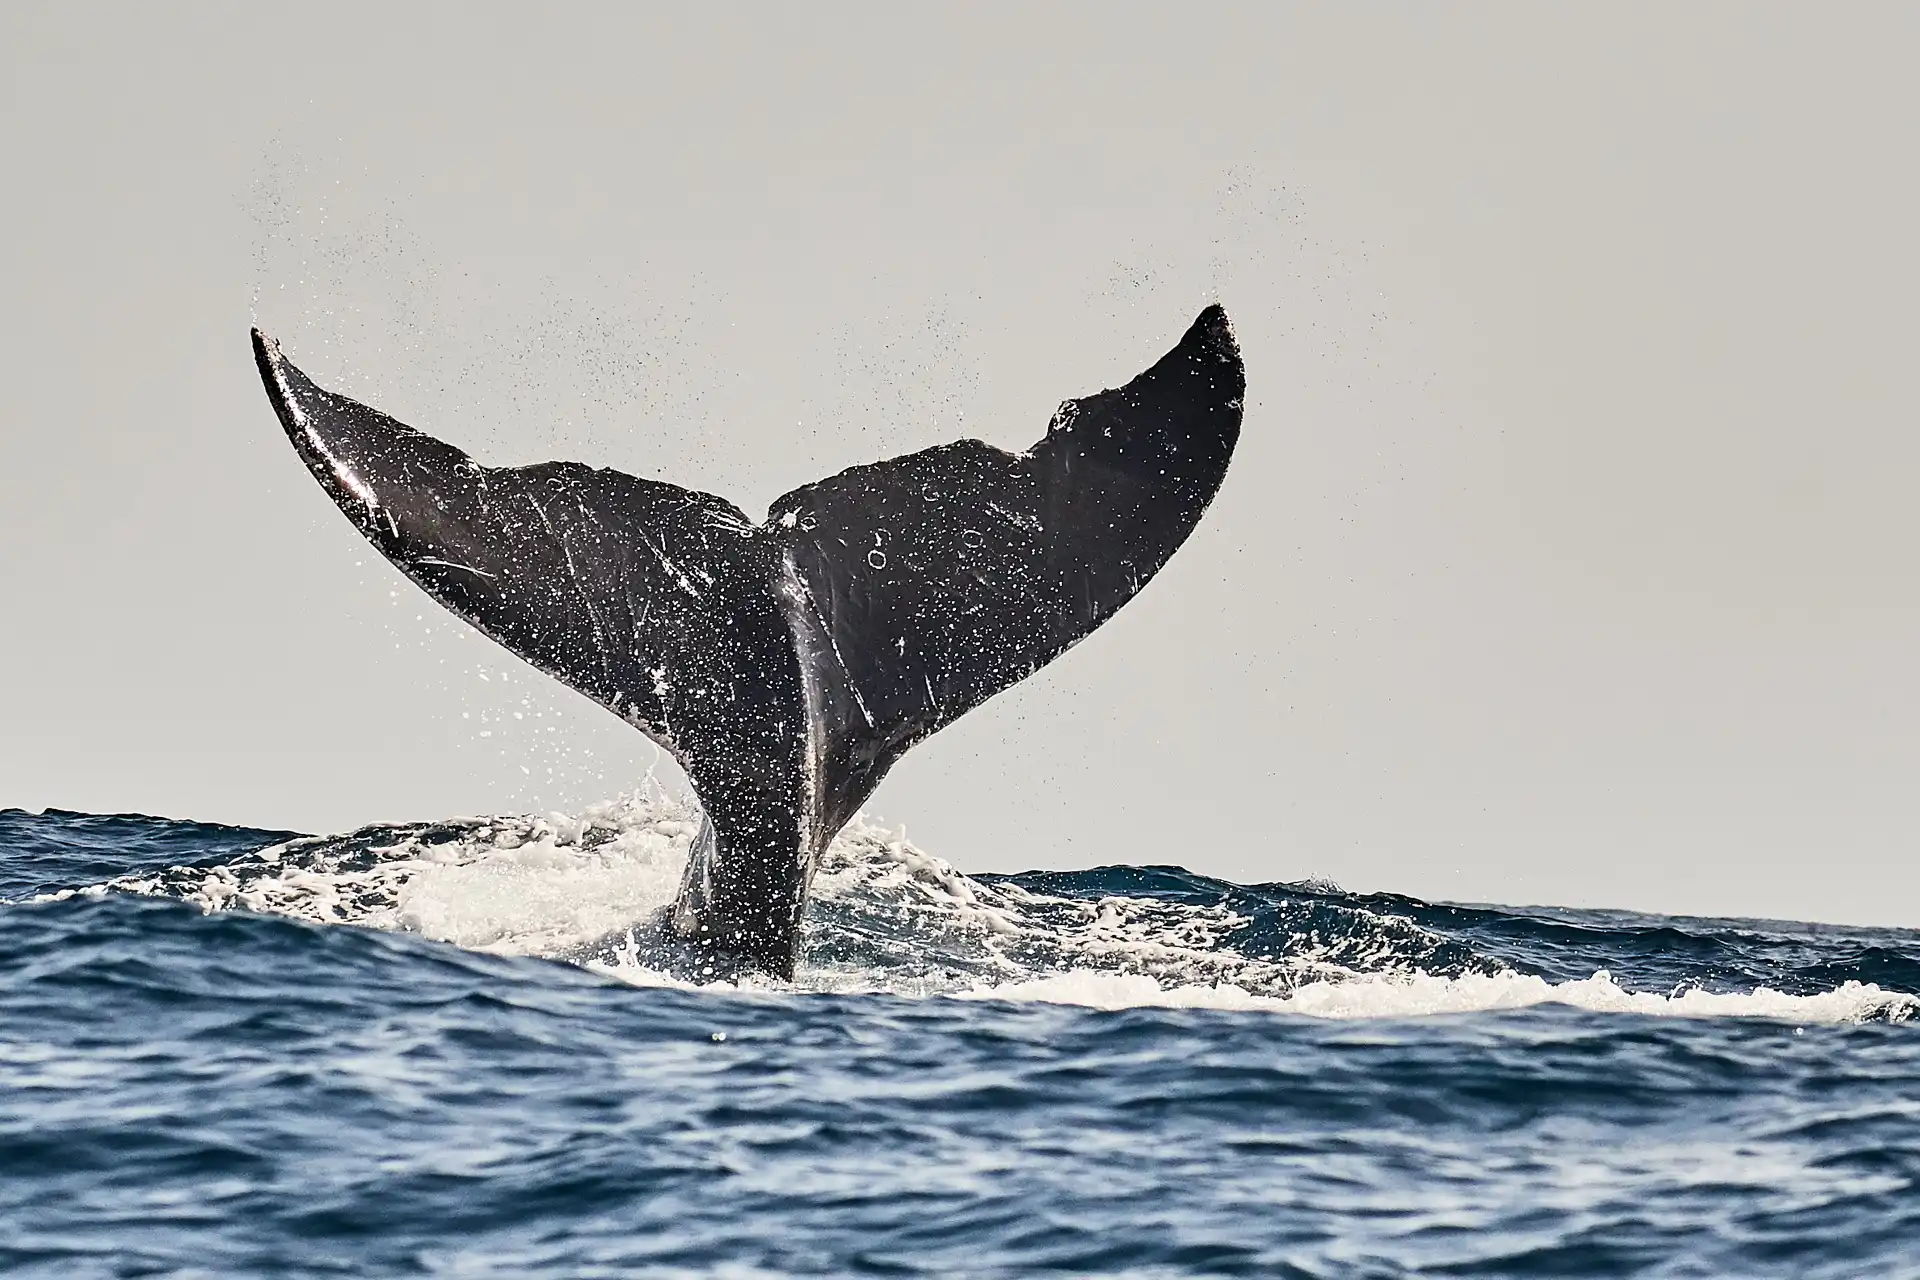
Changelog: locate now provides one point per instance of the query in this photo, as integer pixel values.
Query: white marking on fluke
(340, 469)
(451, 564)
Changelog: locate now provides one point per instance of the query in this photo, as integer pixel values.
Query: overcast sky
(1568, 556)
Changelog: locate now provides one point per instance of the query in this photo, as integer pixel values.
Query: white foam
(889, 918)
(545, 895)
(513, 886)
(1423, 995)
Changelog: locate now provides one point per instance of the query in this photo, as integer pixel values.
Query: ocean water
(457, 1049)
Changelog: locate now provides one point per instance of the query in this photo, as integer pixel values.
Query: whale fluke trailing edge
(788, 664)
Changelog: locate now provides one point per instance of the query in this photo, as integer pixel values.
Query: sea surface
(459, 1049)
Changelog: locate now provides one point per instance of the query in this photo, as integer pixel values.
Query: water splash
(890, 918)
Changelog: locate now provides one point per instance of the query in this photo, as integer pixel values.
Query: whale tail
(787, 664)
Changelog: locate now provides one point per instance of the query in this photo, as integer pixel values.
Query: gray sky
(1569, 551)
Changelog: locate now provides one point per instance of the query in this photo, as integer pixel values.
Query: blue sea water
(451, 1049)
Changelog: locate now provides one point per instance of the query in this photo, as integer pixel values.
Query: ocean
(455, 1049)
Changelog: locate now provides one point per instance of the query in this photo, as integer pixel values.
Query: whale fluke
(786, 665)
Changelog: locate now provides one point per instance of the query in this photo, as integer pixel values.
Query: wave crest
(890, 918)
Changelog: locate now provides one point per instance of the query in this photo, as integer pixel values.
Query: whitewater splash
(889, 918)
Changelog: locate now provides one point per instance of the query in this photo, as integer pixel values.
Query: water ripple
(1131, 1071)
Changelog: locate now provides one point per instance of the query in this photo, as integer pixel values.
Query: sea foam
(889, 918)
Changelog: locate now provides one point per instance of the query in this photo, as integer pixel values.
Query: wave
(889, 918)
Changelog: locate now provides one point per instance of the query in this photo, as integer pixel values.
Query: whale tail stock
(787, 664)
